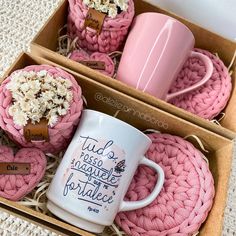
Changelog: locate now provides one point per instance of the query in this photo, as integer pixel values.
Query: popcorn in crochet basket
(62, 131)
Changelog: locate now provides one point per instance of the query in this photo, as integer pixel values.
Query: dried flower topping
(38, 95)
(109, 7)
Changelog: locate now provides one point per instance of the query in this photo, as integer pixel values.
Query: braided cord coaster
(186, 197)
(208, 100)
(80, 55)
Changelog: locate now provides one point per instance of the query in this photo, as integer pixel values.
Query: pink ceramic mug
(155, 52)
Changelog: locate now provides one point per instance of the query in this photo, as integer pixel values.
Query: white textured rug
(13, 226)
(20, 20)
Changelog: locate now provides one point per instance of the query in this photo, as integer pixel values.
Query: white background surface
(216, 15)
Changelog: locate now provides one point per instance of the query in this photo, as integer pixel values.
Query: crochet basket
(187, 195)
(211, 98)
(80, 55)
(61, 133)
(113, 32)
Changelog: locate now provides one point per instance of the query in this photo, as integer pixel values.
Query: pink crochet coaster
(187, 195)
(80, 55)
(208, 100)
(15, 187)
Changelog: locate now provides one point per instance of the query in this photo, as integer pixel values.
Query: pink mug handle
(209, 71)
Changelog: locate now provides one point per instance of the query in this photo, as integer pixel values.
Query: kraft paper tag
(14, 168)
(36, 132)
(94, 20)
(97, 65)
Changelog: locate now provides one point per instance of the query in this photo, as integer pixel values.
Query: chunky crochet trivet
(15, 187)
(80, 55)
(61, 133)
(187, 195)
(208, 100)
(113, 31)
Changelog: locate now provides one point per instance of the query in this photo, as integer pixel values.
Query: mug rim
(118, 120)
(169, 17)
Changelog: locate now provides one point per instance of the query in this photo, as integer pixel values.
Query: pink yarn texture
(113, 32)
(15, 187)
(61, 133)
(186, 197)
(80, 55)
(211, 98)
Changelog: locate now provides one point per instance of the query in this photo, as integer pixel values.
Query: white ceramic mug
(96, 170)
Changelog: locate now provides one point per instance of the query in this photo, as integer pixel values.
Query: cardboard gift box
(143, 116)
(46, 42)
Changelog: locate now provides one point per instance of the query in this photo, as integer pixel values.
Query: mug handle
(209, 70)
(132, 205)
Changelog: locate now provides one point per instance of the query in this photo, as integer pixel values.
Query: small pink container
(113, 32)
(61, 133)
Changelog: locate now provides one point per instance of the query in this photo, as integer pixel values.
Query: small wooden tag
(36, 132)
(97, 65)
(14, 168)
(94, 20)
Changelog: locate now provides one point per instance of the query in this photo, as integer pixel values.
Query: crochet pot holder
(186, 197)
(211, 98)
(15, 187)
(80, 55)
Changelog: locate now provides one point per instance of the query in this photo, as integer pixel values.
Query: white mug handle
(132, 205)
(209, 70)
